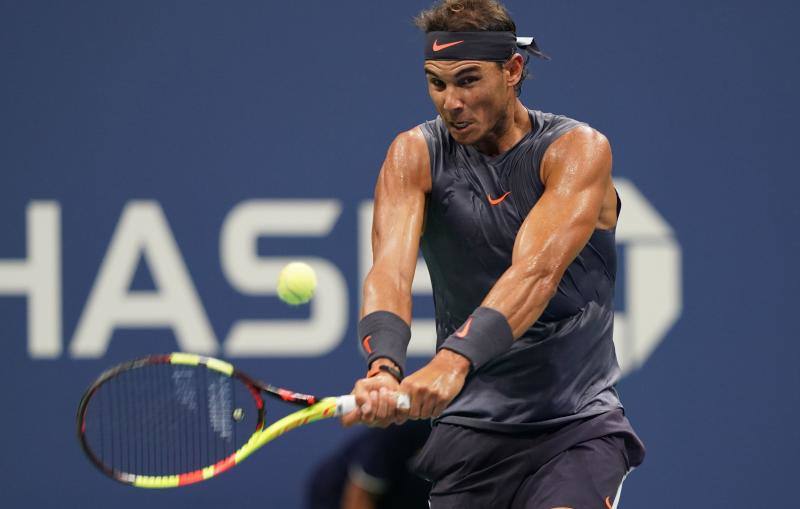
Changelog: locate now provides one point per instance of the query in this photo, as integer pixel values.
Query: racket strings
(165, 419)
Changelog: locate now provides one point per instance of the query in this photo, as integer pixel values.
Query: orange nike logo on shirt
(497, 201)
(465, 329)
(608, 503)
(440, 47)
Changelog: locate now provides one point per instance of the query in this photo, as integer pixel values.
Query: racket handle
(346, 404)
(403, 401)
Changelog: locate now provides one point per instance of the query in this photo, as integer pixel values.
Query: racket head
(168, 420)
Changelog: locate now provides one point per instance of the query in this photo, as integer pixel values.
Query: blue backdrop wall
(145, 146)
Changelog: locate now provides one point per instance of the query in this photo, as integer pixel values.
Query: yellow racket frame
(324, 409)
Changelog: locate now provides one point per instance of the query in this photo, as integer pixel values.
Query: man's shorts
(580, 465)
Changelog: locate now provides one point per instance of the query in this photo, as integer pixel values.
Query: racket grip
(403, 401)
(346, 404)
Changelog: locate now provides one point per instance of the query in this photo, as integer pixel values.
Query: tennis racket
(172, 420)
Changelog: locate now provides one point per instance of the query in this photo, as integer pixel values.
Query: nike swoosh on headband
(440, 47)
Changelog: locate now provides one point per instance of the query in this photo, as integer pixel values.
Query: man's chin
(466, 136)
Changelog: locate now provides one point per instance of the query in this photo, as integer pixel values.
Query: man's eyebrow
(468, 69)
(465, 70)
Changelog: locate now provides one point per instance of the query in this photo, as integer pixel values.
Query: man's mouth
(460, 126)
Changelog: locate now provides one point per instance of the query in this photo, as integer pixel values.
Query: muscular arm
(397, 225)
(396, 228)
(579, 197)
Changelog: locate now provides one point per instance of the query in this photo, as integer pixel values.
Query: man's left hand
(434, 386)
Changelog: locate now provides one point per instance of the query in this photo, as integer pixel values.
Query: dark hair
(469, 16)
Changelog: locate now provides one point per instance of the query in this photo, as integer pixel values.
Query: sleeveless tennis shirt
(564, 367)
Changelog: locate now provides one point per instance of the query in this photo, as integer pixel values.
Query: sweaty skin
(479, 105)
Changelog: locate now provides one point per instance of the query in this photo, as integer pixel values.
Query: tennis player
(515, 212)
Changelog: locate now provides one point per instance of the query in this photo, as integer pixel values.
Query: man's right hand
(376, 401)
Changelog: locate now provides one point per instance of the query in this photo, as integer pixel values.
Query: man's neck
(508, 131)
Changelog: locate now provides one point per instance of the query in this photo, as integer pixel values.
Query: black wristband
(385, 368)
(485, 335)
(384, 334)
(396, 373)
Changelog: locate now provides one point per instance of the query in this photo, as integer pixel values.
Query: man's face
(470, 95)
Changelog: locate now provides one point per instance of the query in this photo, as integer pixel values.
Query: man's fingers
(351, 418)
(418, 395)
(402, 405)
(426, 409)
(439, 408)
(385, 404)
(417, 400)
(375, 402)
(367, 413)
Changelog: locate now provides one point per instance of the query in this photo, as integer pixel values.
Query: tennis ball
(296, 283)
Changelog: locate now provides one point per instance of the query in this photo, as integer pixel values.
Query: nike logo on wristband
(465, 329)
(365, 344)
(440, 47)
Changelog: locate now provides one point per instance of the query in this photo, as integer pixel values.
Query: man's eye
(437, 83)
(468, 80)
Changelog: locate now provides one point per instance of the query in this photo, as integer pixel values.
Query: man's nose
(452, 102)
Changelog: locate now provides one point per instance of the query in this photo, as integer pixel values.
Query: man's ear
(514, 67)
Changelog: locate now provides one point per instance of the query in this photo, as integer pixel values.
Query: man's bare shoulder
(411, 141)
(408, 160)
(582, 147)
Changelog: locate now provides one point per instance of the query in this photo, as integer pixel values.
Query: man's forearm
(384, 291)
(521, 296)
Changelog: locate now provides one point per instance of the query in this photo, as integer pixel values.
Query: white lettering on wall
(254, 275)
(143, 232)
(39, 278)
(653, 279)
